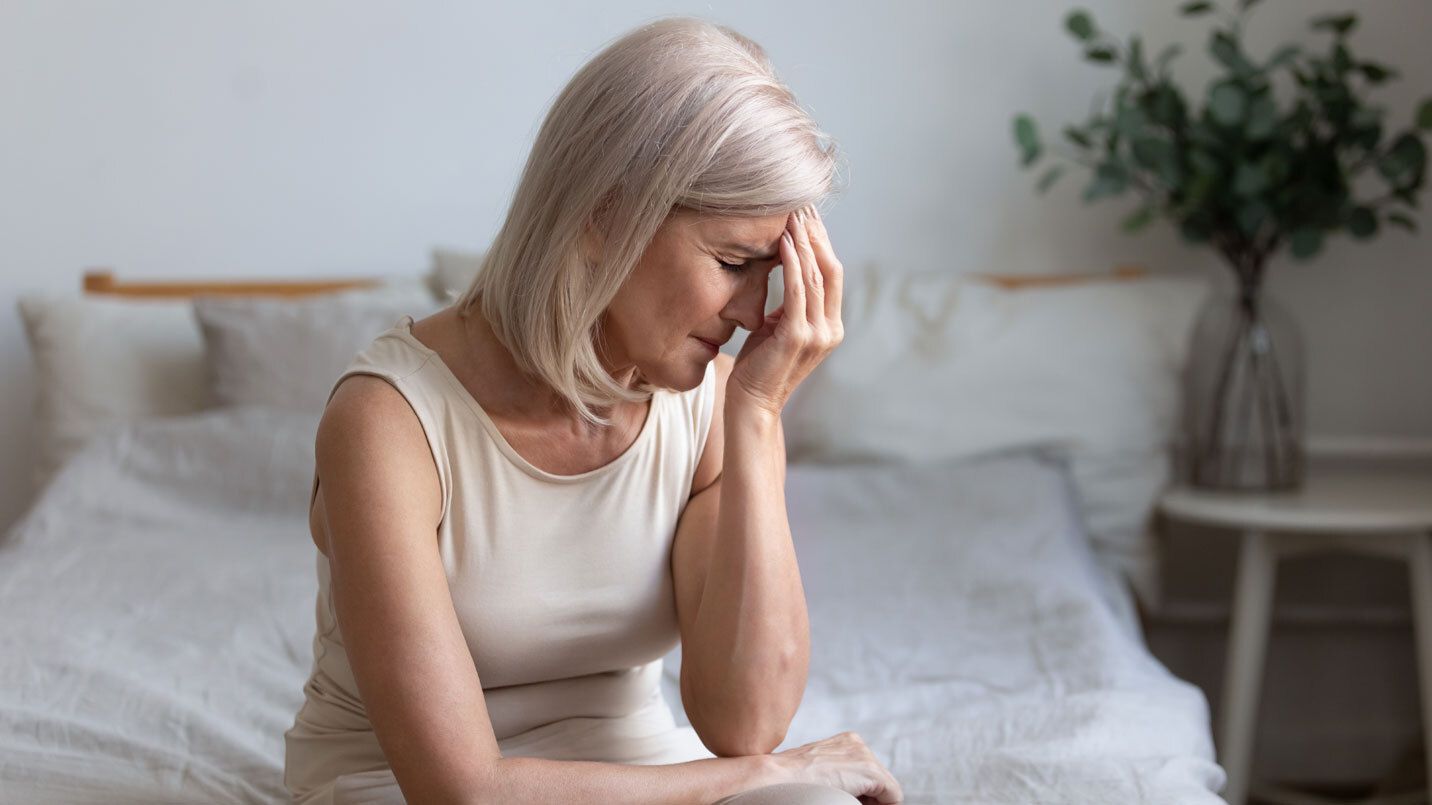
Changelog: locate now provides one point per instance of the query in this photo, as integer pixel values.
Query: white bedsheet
(156, 617)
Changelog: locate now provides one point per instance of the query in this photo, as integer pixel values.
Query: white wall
(266, 138)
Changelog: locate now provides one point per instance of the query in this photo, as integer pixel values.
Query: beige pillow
(102, 361)
(286, 353)
(451, 272)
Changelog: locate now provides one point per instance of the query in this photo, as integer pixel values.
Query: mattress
(156, 619)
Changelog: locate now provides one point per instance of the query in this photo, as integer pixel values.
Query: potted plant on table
(1249, 174)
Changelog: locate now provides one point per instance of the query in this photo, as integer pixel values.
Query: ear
(591, 241)
(593, 237)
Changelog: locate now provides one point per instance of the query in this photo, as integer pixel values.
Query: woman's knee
(791, 794)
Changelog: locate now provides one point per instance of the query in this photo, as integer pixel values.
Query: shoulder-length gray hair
(679, 113)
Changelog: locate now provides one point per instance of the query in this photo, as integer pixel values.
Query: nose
(748, 305)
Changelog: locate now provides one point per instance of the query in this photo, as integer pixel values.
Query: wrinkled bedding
(156, 618)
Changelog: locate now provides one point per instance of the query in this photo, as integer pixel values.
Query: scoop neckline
(404, 331)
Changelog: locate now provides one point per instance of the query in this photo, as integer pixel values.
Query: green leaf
(1282, 56)
(1078, 137)
(1362, 223)
(1228, 103)
(1251, 215)
(1130, 121)
(1337, 23)
(1376, 73)
(1050, 176)
(1110, 179)
(1404, 162)
(1140, 219)
(1165, 107)
(1204, 162)
(1101, 55)
(1225, 49)
(1195, 8)
(1262, 118)
(1158, 156)
(1424, 115)
(1403, 221)
(1136, 59)
(1250, 179)
(1166, 56)
(1342, 59)
(1306, 242)
(1027, 136)
(1080, 24)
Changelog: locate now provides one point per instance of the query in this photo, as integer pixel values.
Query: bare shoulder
(410, 662)
(371, 455)
(708, 469)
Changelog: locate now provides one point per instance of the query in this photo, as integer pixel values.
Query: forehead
(719, 230)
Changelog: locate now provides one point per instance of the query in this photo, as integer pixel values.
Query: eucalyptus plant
(1251, 170)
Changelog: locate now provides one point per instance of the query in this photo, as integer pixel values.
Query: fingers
(794, 300)
(812, 275)
(825, 258)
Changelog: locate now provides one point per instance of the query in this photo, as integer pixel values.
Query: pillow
(941, 366)
(286, 353)
(451, 272)
(101, 361)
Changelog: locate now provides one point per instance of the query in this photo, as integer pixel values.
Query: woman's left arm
(744, 627)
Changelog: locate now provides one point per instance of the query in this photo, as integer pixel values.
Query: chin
(682, 377)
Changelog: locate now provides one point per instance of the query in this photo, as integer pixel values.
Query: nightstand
(1383, 513)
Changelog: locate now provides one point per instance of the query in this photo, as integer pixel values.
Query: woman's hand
(845, 762)
(804, 329)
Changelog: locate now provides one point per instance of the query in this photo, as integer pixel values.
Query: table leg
(1243, 669)
(1419, 559)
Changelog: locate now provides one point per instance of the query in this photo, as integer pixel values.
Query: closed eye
(735, 267)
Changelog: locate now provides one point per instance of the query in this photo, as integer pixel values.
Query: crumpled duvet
(156, 619)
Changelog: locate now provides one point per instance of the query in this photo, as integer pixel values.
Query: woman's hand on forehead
(796, 336)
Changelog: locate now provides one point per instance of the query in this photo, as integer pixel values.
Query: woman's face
(680, 294)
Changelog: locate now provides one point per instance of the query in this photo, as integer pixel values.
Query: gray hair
(680, 113)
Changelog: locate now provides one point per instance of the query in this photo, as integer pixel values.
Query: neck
(522, 394)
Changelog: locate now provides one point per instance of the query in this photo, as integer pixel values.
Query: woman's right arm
(381, 501)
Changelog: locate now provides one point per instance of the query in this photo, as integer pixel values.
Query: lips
(712, 344)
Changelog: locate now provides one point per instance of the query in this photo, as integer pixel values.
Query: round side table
(1384, 513)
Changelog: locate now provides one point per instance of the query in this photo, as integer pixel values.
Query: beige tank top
(562, 583)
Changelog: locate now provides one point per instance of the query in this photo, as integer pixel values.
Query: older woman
(522, 502)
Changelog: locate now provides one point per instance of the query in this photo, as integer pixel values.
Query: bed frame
(103, 281)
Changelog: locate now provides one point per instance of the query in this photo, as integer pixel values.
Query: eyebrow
(747, 251)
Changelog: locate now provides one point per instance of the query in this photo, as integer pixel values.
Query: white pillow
(101, 361)
(451, 272)
(286, 353)
(940, 366)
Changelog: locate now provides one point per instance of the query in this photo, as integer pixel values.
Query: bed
(158, 616)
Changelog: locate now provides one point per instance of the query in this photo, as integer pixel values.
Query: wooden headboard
(102, 281)
(1018, 281)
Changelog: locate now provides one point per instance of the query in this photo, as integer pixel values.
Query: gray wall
(174, 139)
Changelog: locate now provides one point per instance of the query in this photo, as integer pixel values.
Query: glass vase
(1242, 408)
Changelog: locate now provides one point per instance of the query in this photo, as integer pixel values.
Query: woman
(600, 481)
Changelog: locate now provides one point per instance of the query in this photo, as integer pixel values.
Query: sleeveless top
(562, 583)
